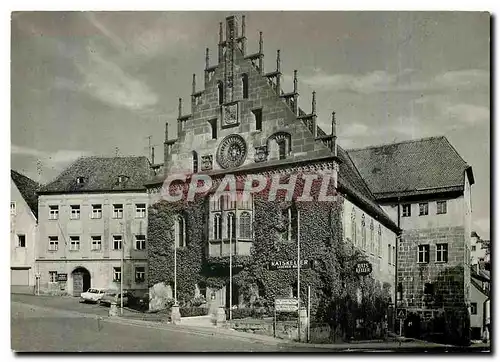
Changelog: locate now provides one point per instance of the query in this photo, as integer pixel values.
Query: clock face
(232, 151)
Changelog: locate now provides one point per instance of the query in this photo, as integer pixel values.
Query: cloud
(408, 80)
(57, 160)
(353, 130)
(466, 114)
(109, 83)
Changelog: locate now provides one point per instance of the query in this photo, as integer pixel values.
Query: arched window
(220, 92)
(180, 231)
(217, 227)
(363, 232)
(195, 162)
(231, 225)
(353, 226)
(244, 83)
(279, 145)
(281, 149)
(245, 225)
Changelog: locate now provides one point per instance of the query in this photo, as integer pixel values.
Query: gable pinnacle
(207, 58)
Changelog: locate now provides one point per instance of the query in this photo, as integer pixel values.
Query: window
(140, 274)
(379, 241)
(75, 212)
(53, 212)
(389, 254)
(257, 114)
(140, 211)
(423, 253)
(429, 289)
(217, 227)
(473, 308)
(394, 255)
(117, 274)
(180, 231)
(213, 127)
(118, 211)
(293, 290)
(244, 83)
(52, 276)
(245, 225)
(473, 248)
(96, 211)
(231, 225)
(423, 208)
(117, 242)
(220, 92)
(441, 207)
(406, 212)
(353, 226)
(96, 242)
(442, 253)
(140, 242)
(12, 208)
(282, 149)
(371, 245)
(74, 243)
(363, 232)
(21, 241)
(80, 180)
(53, 243)
(195, 161)
(121, 179)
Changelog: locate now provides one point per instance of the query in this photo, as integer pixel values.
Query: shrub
(241, 313)
(193, 311)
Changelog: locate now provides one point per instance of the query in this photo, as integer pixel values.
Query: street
(62, 324)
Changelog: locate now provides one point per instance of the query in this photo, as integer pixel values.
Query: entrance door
(81, 281)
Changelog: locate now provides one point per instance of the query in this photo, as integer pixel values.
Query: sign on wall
(286, 305)
(363, 268)
(289, 264)
(62, 277)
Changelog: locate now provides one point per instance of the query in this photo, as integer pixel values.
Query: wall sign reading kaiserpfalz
(363, 268)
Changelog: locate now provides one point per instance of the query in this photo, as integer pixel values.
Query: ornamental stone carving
(232, 151)
(206, 162)
(260, 154)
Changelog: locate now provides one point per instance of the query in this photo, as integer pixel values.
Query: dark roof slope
(101, 174)
(351, 182)
(28, 189)
(411, 167)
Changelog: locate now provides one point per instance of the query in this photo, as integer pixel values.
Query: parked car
(113, 296)
(92, 295)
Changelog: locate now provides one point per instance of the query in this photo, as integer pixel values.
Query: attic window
(122, 179)
(80, 180)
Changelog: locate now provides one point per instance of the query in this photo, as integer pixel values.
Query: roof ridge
(396, 143)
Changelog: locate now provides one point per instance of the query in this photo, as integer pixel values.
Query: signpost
(284, 305)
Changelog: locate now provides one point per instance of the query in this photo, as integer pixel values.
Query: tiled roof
(411, 167)
(351, 182)
(101, 174)
(28, 188)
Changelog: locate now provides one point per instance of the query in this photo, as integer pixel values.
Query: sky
(101, 83)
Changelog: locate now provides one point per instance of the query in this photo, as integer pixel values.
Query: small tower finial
(220, 33)
(314, 103)
(207, 58)
(180, 107)
(295, 83)
(166, 131)
(243, 25)
(194, 83)
(278, 61)
(334, 125)
(261, 42)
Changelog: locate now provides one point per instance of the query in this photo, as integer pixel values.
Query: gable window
(245, 225)
(52, 277)
(96, 242)
(473, 308)
(442, 253)
(140, 211)
(96, 211)
(441, 207)
(244, 83)
(363, 232)
(180, 231)
(74, 243)
(140, 242)
(12, 208)
(117, 274)
(213, 127)
(122, 179)
(195, 161)
(140, 274)
(80, 180)
(423, 253)
(21, 241)
(53, 243)
(53, 212)
(423, 208)
(220, 92)
(75, 212)
(282, 149)
(406, 212)
(117, 211)
(257, 115)
(117, 242)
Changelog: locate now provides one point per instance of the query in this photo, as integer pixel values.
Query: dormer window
(122, 179)
(80, 180)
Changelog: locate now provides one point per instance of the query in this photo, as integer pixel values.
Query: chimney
(180, 108)
(296, 96)
(334, 134)
(278, 69)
